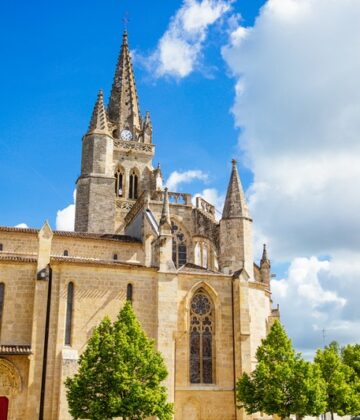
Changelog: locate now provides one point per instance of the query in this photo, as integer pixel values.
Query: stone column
(241, 330)
(41, 283)
(167, 325)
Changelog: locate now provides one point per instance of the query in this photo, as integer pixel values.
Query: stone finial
(45, 231)
(235, 202)
(123, 105)
(264, 259)
(99, 121)
(165, 221)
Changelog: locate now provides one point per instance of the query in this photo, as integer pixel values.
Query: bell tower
(117, 155)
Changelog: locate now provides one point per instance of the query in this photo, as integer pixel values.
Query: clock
(126, 135)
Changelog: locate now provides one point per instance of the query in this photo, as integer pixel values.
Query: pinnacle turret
(123, 105)
(165, 222)
(99, 121)
(147, 121)
(235, 202)
(264, 259)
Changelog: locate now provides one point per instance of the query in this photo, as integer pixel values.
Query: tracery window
(179, 249)
(201, 338)
(2, 296)
(69, 313)
(119, 183)
(133, 185)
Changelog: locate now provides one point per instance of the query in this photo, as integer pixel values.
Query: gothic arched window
(201, 338)
(179, 250)
(119, 183)
(129, 292)
(69, 313)
(133, 185)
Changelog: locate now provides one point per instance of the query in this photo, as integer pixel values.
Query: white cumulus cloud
(22, 225)
(65, 218)
(297, 101)
(176, 178)
(179, 49)
(317, 297)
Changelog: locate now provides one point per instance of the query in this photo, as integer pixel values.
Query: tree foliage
(342, 382)
(282, 383)
(351, 357)
(119, 374)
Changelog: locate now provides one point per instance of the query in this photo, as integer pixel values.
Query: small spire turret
(264, 259)
(265, 267)
(235, 202)
(99, 122)
(147, 128)
(236, 229)
(165, 222)
(147, 120)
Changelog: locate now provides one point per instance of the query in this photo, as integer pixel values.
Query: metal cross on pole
(126, 20)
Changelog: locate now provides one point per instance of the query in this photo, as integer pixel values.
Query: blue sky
(274, 83)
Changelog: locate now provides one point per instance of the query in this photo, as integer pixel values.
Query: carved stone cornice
(128, 146)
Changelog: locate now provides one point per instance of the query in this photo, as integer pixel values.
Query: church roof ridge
(73, 234)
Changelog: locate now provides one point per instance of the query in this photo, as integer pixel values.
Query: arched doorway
(4, 406)
(10, 386)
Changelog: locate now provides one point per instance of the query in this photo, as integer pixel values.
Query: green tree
(119, 374)
(351, 357)
(342, 389)
(282, 383)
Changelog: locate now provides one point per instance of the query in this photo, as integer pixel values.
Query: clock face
(126, 135)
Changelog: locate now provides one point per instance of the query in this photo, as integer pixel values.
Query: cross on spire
(126, 21)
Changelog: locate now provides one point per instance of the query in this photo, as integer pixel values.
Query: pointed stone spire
(235, 202)
(165, 222)
(99, 121)
(264, 259)
(123, 105)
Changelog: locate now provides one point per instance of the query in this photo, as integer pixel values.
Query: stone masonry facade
(192, 279)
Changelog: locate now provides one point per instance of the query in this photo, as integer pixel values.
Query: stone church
(192, 280)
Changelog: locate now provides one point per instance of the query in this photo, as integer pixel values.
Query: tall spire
(123, 105)
(99, 121)
(235, 202)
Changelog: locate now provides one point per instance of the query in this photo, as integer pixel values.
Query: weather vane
(126, 20)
